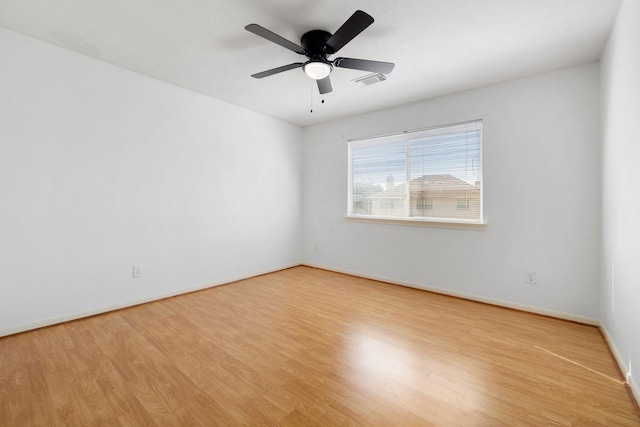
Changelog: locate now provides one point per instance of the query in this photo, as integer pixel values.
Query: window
(463, 204)
(387, 204)
(422, 203)
(432, 174)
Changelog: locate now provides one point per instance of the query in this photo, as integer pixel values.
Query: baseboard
(92, 312)
(630, 381)
(105, 309)
(41, 323)
(507, 304)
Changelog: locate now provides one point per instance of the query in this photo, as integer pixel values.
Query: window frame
(408, 136)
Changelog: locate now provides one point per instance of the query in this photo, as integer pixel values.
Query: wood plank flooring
(310, 347)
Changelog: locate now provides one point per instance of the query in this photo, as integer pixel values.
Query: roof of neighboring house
(434, 186)
(444, 185)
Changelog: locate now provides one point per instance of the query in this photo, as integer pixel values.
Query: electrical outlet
(137, 270)
(531, 278)
(316, 247)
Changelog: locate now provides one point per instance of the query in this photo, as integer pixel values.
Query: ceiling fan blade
(277, 70)
(273, 37)
(364, 65)
(351, 28)
(324, 85)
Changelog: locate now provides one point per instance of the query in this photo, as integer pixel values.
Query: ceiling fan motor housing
(314, 44)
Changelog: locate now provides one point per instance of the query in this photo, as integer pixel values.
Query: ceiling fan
(318, 45)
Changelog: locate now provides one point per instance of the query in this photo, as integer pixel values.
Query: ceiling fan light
(317, 70)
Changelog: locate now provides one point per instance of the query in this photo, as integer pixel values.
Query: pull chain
(311, 98)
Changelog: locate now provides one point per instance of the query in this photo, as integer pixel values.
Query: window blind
(432, 174)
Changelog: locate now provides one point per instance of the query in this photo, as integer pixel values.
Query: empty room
(412, 213)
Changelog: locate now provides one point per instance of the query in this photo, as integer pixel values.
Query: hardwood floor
(309, 347)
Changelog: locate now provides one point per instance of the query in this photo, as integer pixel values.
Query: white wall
(620, 306)
(101, 168)
(542, 198)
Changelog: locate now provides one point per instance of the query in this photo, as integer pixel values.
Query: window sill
(461, 225)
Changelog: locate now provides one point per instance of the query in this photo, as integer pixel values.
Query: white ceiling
(438, 46)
